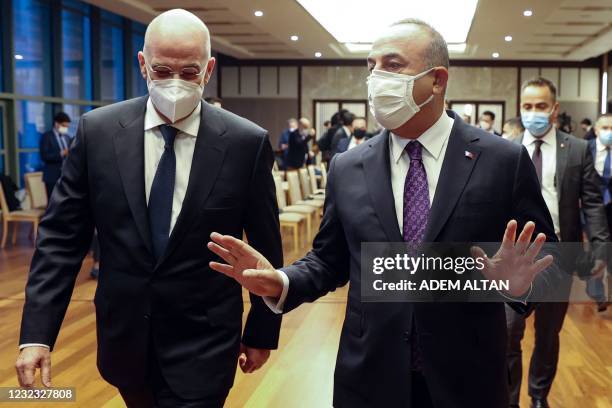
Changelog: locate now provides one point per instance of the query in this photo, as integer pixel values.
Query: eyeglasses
(164, 72)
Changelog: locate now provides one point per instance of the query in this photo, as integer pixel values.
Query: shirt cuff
(522, 299)
(276, 305)
(22, 346)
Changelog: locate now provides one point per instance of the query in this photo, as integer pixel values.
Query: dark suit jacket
(603, 184)
(187, 314)
(339, 136)
(463, 344)
(51, 155)
(298, 149)
(578, 188)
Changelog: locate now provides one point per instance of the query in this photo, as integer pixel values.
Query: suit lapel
(129, 149)
(376, 164)
(208, 156)
(563, 147)
(456, 170)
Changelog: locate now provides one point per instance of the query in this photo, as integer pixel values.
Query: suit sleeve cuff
(22, 346)
(521, 299)
(276, 305)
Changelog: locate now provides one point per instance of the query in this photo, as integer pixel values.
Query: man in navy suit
(54, 145)
(428, 178)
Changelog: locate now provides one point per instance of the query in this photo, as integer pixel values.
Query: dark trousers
(157, 394)
(49, 188)
(543, 366)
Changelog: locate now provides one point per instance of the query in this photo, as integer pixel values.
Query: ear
(209, 69)
(440, 80)
(141, 62)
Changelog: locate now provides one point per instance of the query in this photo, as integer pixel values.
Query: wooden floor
(300, 373)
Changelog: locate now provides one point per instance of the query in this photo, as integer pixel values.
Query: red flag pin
(469, 155)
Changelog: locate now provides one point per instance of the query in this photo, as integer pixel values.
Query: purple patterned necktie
(416, 196)
(416, 211)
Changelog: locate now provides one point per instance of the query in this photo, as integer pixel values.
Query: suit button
(146, 317)
(407, 336)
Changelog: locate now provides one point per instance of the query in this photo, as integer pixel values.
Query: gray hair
(436, 55)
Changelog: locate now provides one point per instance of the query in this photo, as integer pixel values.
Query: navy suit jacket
(51, 155)
(177, 309)
(463, 344)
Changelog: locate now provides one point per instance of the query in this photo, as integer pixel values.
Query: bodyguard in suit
(155, 175)
(601, 147)
(54, 146)
(428, 178)
(568, 180)
(297, 152)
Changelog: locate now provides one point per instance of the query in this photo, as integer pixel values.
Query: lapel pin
(469, 155)
(562, 145)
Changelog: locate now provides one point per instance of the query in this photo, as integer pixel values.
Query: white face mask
(174, 98)
(485, 125)
(63, 130)
(390, 97)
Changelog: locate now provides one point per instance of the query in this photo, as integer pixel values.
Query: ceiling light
(528, 13)
(18, 56)
(318, 54)
(495, 55)
(358, 47)
(457, 48)
(294, 38)
(454, 26)
(508, 38)
(258, 13)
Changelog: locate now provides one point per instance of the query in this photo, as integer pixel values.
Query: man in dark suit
(587, 127)
(487, 121)
(297, 152)
(344, 132)
(54, 146)
(155, 175)
(564, 166)
(428, 178)
(601, 150)
(360, 135)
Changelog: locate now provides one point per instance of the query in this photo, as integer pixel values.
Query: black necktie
(162, 192)
(536, 157)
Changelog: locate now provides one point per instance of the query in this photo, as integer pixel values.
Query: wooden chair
(294, 196)
(323, 169)
(288, 220)
(37, 191)
(313, 182)
(301, 190)
(31, 216)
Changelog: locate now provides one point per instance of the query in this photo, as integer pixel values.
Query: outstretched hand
(516, 262)
(247, 266)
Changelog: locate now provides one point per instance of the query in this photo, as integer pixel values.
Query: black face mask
(359, 133)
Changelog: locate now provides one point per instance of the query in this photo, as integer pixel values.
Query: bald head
(177, 39)
(177, 30)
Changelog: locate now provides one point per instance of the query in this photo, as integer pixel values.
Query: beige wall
(578, 88)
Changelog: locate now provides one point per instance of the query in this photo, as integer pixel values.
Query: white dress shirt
(600, 156)
(549, 170)
(184, 145)
(434, 141)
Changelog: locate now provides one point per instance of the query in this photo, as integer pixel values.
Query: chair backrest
(305, 181)
(313, 177)
(3, 204)
(275, 166)
(295, 194)
(280, 193)
(36, 189)
(323, 175)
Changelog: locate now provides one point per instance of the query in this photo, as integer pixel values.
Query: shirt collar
(432, 139)
(347, 131)
(190, 125)
(548, 138)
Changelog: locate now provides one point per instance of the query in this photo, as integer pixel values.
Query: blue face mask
(605, 137)
(538, 123)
